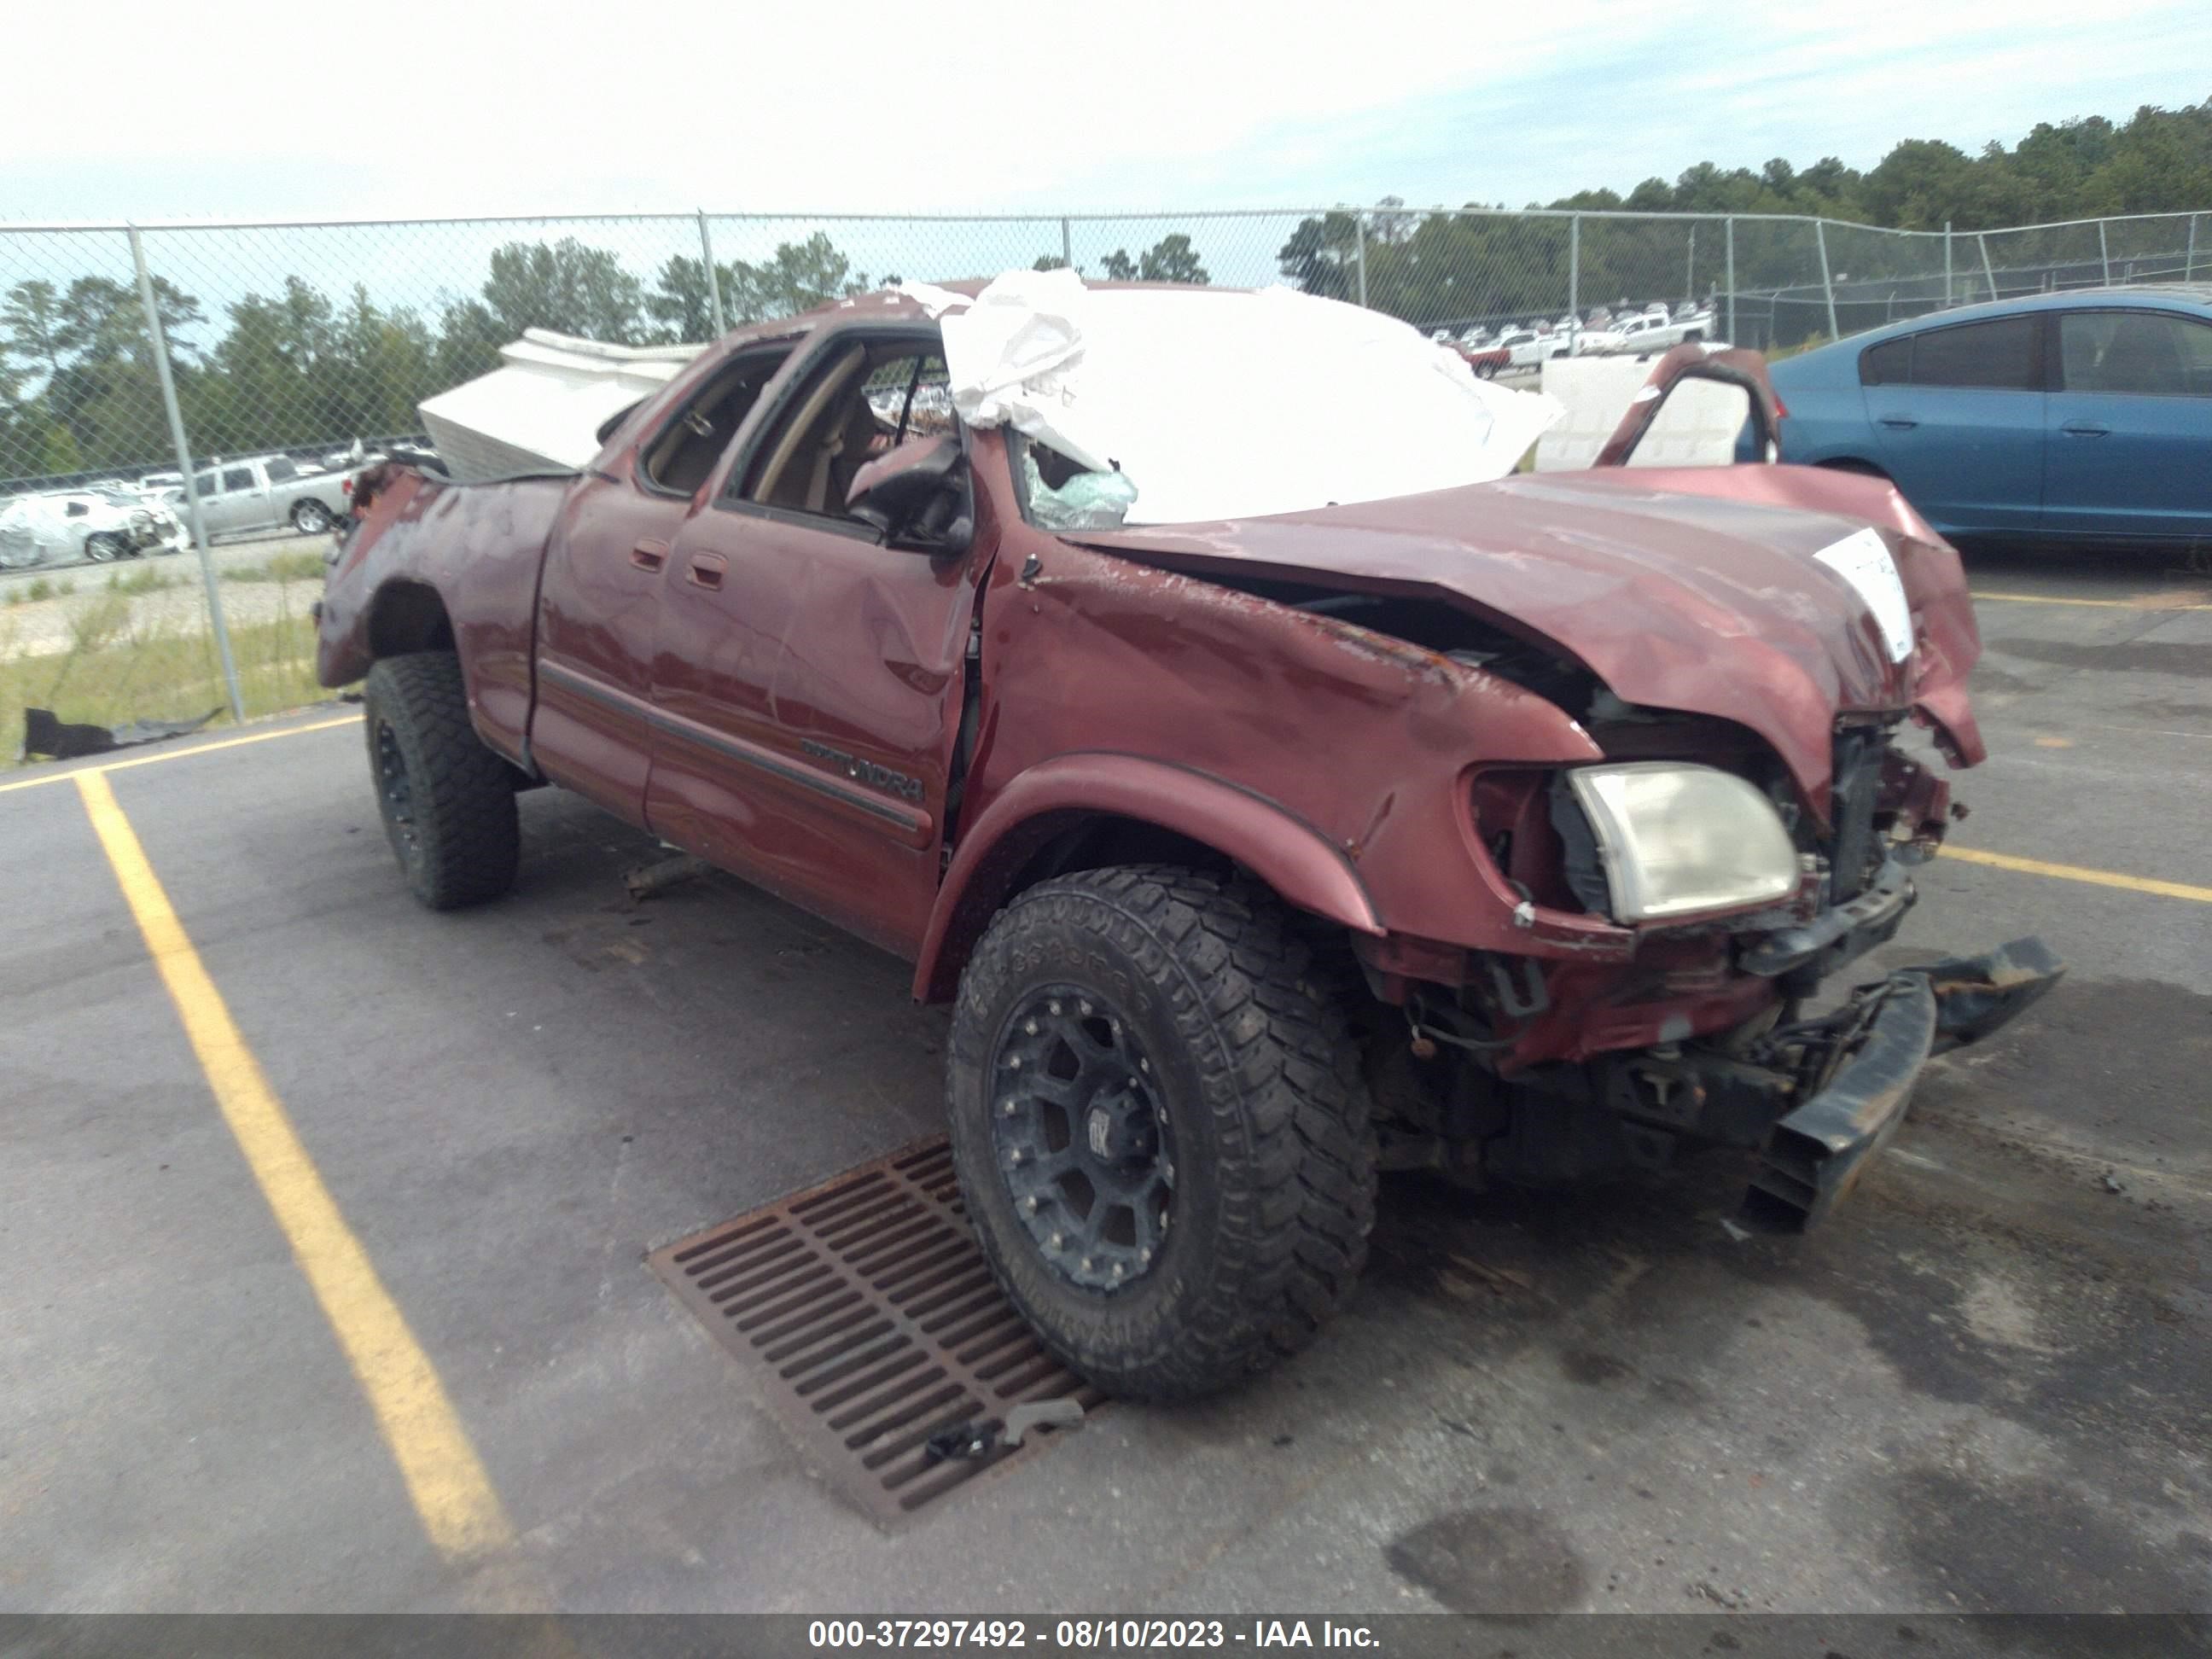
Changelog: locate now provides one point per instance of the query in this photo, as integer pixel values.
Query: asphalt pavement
(1982, 1386)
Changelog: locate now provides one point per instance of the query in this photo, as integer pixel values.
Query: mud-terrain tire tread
(1294, 1152)
(466, 818)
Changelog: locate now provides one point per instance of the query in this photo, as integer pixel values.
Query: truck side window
(869, 399)
(203, 484)
(680, 458)
(237, 477)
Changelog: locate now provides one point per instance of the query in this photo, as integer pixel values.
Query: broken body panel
(1367, 707)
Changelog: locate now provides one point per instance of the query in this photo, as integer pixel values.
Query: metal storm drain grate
(866, 1310)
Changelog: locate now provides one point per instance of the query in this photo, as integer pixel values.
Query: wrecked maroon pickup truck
(1275, 801)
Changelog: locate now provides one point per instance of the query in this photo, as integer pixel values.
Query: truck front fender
(1292, 856)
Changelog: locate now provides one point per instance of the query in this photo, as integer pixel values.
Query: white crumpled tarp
(1217, 402)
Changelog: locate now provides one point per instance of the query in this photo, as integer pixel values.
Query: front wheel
(1160, 1128)
(102, 550)
(448, 802)
(1486, 371)
(310, 517)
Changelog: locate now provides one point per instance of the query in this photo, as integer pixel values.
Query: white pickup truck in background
(267, 492)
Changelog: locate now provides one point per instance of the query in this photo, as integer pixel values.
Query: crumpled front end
(1617, 961)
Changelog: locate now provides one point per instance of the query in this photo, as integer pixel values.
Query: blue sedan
(2076, 416)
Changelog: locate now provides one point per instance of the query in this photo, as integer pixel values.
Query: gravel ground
(39, 627)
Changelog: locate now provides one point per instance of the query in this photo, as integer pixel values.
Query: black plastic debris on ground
(47, 736)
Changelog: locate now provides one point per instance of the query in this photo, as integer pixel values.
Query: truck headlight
(1674, 839)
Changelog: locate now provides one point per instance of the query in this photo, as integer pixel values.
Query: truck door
(808, 678)
(245, 499)
(606, 570)
(209, 488)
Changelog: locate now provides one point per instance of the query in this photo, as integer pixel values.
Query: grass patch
(117, 671)
(44, 588)
(285, 567)
(1776, 354)
(145, 580)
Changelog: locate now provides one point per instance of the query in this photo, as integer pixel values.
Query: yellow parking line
(178, 754)
(2180, 889)
(2153, 602)
(451, 1493)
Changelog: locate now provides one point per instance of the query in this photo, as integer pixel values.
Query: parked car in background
(267, 492)
(1484, 360)
(1527, 347)
(2083, 415)
(1657, 330)
(63, 526)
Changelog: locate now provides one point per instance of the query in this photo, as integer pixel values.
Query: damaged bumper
(1815, 1154)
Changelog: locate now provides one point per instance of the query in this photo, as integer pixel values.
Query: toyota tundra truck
(1277, 792)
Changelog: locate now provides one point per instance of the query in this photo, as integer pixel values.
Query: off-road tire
(460, 838)
(311, 518)
(1275, 1192)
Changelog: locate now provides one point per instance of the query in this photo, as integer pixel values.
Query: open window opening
(681, 458)
(869, 399)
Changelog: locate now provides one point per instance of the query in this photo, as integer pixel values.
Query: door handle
(708, 570)
(1900, 422)
(649, 556)
(2084, 429)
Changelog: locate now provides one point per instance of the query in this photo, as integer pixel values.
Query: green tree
(680, 305)
(567, 286)
(797, 277)
(32, 319)
(1172, 259)
(469, 339)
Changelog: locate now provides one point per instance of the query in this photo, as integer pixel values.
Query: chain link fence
(203, 389)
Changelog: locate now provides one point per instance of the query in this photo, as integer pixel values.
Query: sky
(497, 107)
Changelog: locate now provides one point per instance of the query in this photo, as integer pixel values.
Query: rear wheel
(448, 802)
(103, 548)
(1160, 1128)
(310, 517)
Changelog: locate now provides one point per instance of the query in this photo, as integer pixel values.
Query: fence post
(1690, 265)
(184, 466)
(1574, 280)
(1947, 264)
(1827, 284)
(714, 276)
(2188, 259)
(1727, 239)
(2105, 252)
(1988, 276)
(1359, 250)
(1067, 245)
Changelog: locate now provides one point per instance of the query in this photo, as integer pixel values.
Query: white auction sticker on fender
(1862, 560)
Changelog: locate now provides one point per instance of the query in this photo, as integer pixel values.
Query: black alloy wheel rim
(1082, 1138)
(395, 792)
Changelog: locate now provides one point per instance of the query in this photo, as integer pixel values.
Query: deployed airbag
(1218, 403)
